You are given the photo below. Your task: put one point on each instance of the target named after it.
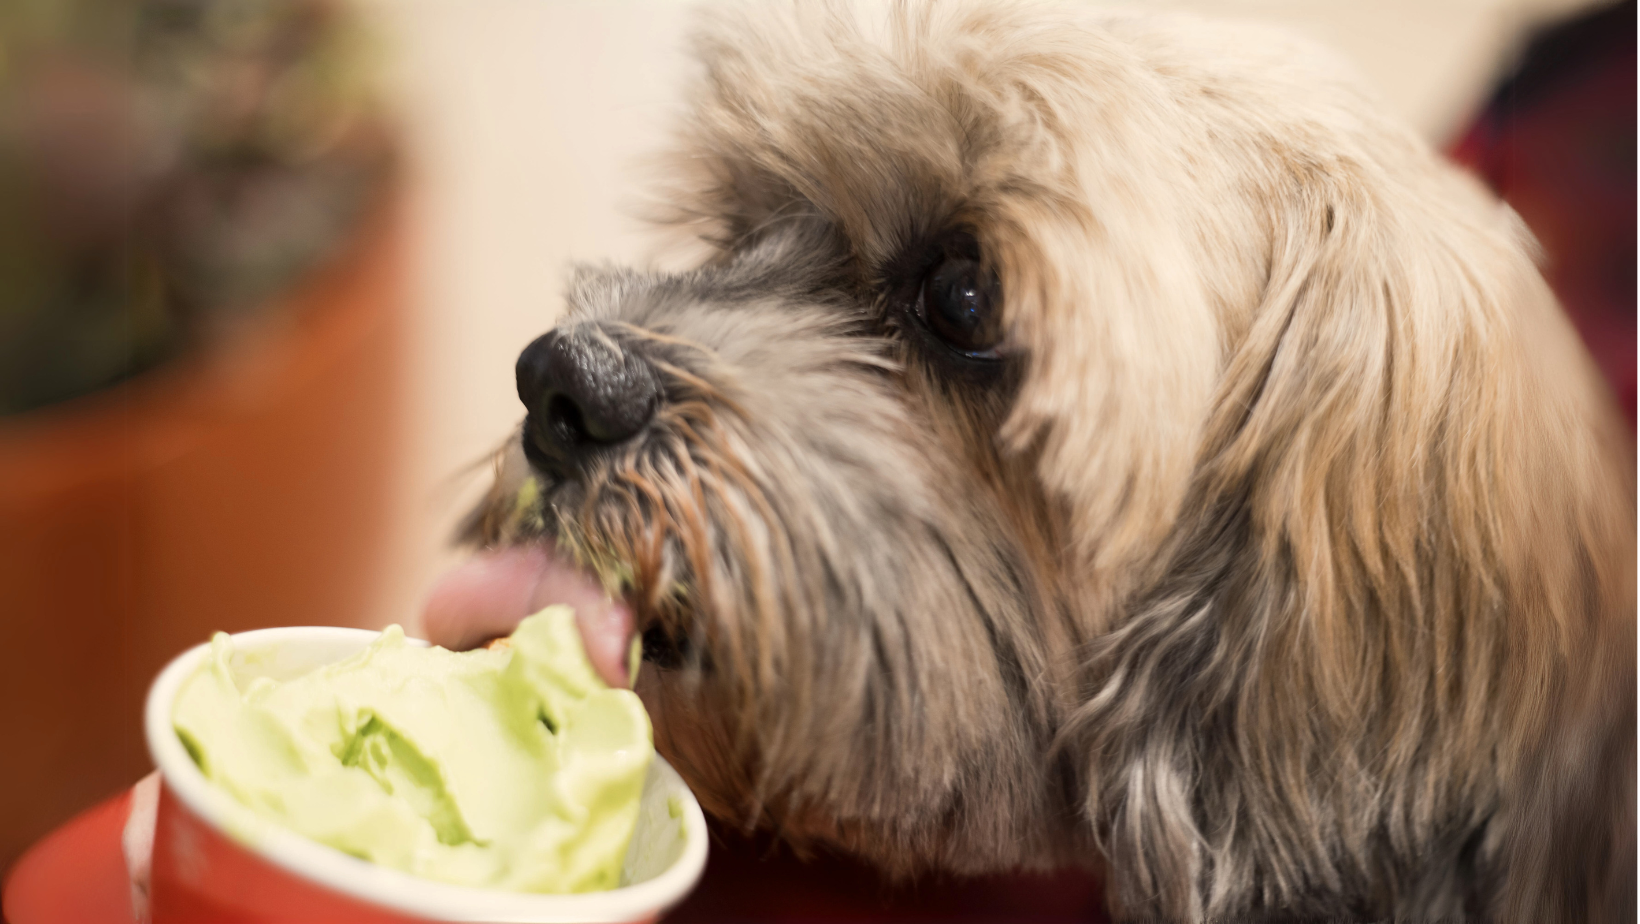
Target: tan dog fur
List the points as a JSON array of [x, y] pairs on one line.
[[1288, 568]]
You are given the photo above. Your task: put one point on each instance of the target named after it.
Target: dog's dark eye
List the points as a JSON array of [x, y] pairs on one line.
[[959, 302]]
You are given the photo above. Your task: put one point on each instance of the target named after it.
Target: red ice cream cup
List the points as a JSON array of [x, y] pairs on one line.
[[213, 860]]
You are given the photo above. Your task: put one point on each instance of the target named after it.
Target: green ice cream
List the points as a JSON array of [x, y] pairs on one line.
[[513, 768]]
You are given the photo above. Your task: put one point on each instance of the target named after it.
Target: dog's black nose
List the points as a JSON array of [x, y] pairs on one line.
[[584, 389]]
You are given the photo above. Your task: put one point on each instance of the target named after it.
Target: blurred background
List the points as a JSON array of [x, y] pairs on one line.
[[265, 266]]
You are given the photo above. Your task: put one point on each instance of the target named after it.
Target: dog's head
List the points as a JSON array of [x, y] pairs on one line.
[[1021, 323]]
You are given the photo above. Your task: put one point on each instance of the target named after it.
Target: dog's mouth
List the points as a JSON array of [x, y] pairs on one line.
[[624, 538], [616, 618], [658, 638], [483, 599]]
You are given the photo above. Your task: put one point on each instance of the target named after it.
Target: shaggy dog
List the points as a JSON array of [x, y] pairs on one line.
[[1106, 438]]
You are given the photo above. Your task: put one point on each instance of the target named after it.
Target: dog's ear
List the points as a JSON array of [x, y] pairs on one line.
[[1418, 436], [1121, 346], [1411, 530]]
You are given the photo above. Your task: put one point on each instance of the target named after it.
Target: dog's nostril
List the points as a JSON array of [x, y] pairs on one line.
[[564, 423]]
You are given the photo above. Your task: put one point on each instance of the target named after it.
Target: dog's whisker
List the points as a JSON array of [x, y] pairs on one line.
[[704, 390], [657, 337]]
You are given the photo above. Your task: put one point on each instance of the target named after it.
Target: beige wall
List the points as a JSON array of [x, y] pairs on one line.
[[527, 119]]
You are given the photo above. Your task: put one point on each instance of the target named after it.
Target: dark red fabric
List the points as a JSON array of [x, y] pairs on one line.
[[755, 880], [1558, 142]]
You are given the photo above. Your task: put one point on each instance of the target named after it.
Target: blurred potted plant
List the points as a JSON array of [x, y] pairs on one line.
[[199, 334]]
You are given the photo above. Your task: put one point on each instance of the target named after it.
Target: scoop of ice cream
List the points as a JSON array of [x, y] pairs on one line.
[[514, 767]]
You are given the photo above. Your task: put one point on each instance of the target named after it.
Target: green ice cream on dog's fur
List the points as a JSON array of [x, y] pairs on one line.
[[513, 768]]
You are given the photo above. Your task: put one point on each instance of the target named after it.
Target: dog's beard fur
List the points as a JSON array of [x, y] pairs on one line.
[[1285, 561]]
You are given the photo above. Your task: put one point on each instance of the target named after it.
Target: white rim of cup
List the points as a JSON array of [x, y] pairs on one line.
[[379, 885]]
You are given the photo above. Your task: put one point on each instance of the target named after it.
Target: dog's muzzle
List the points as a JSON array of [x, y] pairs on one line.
[[586, 390]]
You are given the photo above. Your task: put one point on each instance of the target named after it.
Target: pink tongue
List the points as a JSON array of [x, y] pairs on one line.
[[486, 597]]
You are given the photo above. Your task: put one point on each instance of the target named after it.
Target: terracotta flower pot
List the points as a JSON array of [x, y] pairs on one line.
[[246, 488]]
